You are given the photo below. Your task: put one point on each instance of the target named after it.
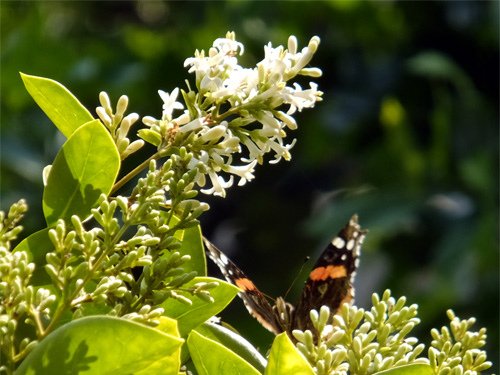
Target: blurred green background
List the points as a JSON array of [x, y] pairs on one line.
[[407, 134]]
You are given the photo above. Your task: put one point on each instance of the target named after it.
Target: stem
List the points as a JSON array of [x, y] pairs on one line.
[[38, 323], [134, 172], [220, 117], [61, 307]]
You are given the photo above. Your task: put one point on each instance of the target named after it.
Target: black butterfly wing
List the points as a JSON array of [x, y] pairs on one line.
[[331, 279], [255, 301]]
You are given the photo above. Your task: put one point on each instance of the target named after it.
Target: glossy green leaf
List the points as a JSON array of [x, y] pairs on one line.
[[150, 136], [168, 325], [416, 369], [211, 358], [234, 342], [284, 358], [192, 245], [60, 105], [85, 167], [36, 246], [189, 317], [104, 345]]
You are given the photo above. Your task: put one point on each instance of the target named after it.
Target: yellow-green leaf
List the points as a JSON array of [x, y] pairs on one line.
[[416, 369], [286, 359], [104, 345], [85, 167], [235, 342], [211, 358], [58, 103]]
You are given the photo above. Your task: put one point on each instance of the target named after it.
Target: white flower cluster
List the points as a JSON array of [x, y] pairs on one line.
[[235, 107]]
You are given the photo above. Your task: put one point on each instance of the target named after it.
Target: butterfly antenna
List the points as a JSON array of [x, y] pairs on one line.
[[306, 259]]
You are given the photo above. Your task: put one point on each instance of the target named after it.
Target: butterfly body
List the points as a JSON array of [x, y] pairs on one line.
[[330, 283]]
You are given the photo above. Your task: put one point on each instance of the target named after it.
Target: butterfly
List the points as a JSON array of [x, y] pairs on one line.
[[330, 283]]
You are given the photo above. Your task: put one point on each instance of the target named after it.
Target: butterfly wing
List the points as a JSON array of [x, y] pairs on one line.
[[331, 279], [255, 301]]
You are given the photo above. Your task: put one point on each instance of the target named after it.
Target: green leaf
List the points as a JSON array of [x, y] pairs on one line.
[[60, 105], [211, 358], [416, 369], [189, 317], [85, 167], [104, 345], [192, 245], [150, 136], [168, 326], [284, 358], [36, 246], [234, 342]]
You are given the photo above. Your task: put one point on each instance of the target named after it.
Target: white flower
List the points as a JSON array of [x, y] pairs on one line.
[[271, 126], [198, 64], [230, 144], [169, 103], [245, 172], [228, 45], [255, 152], [219, 185], [238, 88], [287, 119], [282, 151], [213, 69], [275, 63], [299, 99], [211, 84]]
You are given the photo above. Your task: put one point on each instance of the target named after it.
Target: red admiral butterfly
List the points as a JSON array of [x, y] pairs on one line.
[[329, 283]]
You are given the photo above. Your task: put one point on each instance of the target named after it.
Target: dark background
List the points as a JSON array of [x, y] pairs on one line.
[[407, 134]]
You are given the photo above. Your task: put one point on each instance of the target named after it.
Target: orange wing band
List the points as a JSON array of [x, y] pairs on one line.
[[328, 272], [245, 284]]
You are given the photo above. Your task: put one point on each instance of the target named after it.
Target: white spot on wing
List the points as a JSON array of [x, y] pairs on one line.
[[338, 242], [350, 245], [353, 276], [223, 259], [357, 250]]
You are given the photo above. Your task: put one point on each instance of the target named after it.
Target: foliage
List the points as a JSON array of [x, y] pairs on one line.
[[407, 135], [129, 256], [127, 271]]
